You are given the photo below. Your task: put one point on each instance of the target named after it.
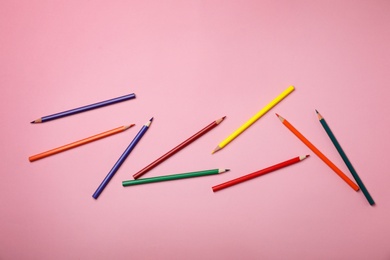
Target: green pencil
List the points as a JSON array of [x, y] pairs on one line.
[[345, 159], [173, 177]]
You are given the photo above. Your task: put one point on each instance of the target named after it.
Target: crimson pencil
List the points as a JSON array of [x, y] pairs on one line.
[[178, 148], [259, 173]]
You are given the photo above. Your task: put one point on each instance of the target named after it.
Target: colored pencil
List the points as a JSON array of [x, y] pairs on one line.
[[318, 153], [178, 148], [173, 177], [79, 142], [254, 118], [121, 159], [83, 108], [259, 173], [345, 159]]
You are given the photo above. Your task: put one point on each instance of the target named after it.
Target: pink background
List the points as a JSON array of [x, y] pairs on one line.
[[189, 63]]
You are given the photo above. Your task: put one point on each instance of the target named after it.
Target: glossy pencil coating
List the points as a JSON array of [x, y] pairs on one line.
[[173, 177], [178, 148], [84, 108], [318, 153], [121, 159], [254, 118], [79, 142], [345, 158], [259, 173]]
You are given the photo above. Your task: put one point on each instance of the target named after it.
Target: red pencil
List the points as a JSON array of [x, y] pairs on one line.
[[259, 173], [178, 148]]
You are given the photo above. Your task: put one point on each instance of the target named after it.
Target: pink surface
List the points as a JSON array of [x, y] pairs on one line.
[[189, 63]]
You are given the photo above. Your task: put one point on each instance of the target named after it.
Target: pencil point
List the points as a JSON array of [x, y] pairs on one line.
[[151, 119], [280, 117], [226, 170], [216, 149], [220, 120], [32, 122], [303, 157], [319, 115], [307, 155], [128, 126], [316, 111]]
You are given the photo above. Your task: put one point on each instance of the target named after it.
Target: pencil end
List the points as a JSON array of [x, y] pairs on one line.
[[151, 119], [216, 149], [303, 157], [220, 120], [319, 115], [316, 111], [280, 118], [39, 120]]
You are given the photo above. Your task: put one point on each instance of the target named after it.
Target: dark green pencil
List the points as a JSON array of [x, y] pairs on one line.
[[173, 177], [345, 159]]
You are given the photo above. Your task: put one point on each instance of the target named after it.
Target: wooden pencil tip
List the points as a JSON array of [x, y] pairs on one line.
[[128, 126], [316, 111], [226, 170], [223, 117], [32, 122], [151, 119], [216, 149], [307, 155], [277, 114]]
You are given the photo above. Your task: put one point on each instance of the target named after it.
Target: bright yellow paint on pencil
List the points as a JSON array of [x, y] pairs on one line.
[[253, 119]]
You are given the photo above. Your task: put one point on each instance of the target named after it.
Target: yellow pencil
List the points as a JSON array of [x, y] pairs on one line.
[[254, 118]]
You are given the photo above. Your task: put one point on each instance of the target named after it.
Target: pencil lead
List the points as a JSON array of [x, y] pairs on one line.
[[277, 114], [226, 170], [223, 117], [316, 111], [151, 119], [32, 122], [307, 155]]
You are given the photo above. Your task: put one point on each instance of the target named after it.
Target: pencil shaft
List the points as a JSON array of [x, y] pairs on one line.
[[347, 162], [320, 155], [87, 107], [257, 116], [170, 177], [121, 159], [77, 143], [177, 148], [256, 174]]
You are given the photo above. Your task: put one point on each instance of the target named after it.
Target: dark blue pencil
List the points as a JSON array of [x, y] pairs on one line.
[[122, 159], [84, 108], [345, 159]]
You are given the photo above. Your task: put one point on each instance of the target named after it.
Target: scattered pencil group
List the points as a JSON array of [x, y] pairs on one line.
[[194, 137]]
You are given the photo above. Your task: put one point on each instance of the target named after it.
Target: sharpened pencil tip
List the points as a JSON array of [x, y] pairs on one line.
[[307, 155], [277, 114], [151, 119], [32, 122], [216, 149], [226, 170], [223, 117]]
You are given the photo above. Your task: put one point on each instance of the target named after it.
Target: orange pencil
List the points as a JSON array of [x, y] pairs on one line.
[[318, 153], [79, 142]]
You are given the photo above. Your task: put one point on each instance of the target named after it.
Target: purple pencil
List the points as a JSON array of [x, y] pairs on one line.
[[84, 108]]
